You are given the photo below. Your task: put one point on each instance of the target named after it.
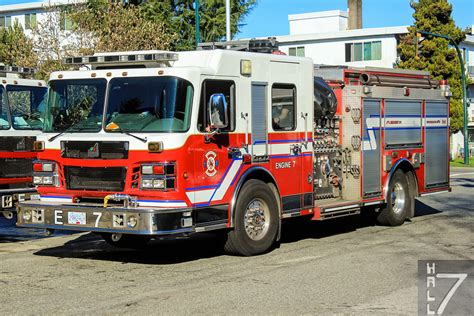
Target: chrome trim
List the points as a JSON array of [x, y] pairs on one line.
[[392, 171]]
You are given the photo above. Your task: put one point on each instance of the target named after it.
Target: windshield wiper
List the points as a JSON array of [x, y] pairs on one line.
[[68, 130], [120, 130]]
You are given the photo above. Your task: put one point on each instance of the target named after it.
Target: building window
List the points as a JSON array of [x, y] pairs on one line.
[[363, 51], [297, 51], [283, 107], [209, 87], [66, 22], [30, 21], [5, 21]]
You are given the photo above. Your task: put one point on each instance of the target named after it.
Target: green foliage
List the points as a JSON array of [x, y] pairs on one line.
[[16, 48], [179, 18], [436, 56], [114, 27]]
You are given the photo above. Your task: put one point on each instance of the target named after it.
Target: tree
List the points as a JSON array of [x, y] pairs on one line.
[[179, 17], [111, 26], [53, 40], [435, 55], [16, 48]]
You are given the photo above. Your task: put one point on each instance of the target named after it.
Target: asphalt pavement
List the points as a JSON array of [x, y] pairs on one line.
[[347, 265]]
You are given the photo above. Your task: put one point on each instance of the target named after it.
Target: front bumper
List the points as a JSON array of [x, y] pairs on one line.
[[114, 219], [9, 197]]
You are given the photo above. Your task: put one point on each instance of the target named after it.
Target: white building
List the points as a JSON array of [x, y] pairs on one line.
[[28, 14], [324, 37]]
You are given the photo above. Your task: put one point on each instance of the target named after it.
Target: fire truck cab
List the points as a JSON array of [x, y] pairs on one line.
[[21, 107], [145, 144]]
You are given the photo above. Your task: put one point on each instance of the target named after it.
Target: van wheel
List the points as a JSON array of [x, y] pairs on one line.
[[126, 241], [256, 220], [399, 201]]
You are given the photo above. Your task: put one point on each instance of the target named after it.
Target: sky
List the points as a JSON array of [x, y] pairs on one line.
[[270, 17]]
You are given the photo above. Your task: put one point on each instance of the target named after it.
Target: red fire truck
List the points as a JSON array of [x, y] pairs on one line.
[[145, 144], [20, 123]]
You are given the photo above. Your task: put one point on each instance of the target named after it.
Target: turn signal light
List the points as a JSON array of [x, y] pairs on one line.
[[38, 145]]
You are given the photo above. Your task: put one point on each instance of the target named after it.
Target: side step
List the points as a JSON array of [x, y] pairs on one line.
[[339, 211]]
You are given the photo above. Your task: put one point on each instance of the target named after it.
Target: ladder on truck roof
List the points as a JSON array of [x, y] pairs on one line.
[[267, 45]]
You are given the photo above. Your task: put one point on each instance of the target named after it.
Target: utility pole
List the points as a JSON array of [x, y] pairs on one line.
[[198, 22], [227, 20], [463, 84]]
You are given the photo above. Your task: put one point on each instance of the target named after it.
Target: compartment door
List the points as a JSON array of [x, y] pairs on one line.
[[371, 161], [436, 144], [259, 122]]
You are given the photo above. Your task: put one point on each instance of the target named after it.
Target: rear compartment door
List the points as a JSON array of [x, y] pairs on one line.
[[371, 164], [436, 144]]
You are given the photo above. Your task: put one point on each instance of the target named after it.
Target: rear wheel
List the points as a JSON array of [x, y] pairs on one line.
[[256, 220], [399, 201], [126, 241]]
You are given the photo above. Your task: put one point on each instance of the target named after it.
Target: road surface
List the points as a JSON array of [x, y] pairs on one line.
[[340, 266]]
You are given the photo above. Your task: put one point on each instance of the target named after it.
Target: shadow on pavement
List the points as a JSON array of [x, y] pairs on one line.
[[206, 245], [9, 233]]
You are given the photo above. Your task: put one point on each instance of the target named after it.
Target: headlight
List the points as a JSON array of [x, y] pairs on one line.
[[48, 167], [147, 183], [159, 184], [147, 169], [48, 180], [37, 180]]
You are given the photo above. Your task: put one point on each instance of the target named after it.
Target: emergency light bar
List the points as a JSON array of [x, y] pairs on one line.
[[115, 59], [17, 70]]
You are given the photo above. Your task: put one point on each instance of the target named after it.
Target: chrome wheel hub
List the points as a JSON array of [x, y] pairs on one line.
[[398, 198], [256, 219]]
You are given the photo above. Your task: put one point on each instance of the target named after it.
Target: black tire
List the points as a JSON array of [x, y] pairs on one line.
[[126, 241], [257, 194], [399, 201]]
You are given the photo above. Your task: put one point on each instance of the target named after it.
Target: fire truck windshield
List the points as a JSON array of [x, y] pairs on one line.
[[27, 106], [4, 119], [149, 104], [75, 105]]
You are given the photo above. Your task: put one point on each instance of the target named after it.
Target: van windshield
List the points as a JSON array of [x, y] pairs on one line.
[[27, 106], [75, 105], [149, 104]]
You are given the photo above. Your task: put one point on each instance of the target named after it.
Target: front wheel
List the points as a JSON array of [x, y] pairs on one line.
[[256, 220], [399, 201], [126, 241]]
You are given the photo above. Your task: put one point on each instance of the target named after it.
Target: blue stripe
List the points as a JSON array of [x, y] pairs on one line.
[[401, 128], [202, 187], [437, 127], [434, 115], [282, 141], [403, 115], [161, 201], [237, 174]]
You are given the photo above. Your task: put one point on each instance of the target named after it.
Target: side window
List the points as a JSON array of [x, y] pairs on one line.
[[209, 87], [283, 107]]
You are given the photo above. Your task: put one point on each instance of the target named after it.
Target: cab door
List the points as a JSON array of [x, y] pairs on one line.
[[212, 165]]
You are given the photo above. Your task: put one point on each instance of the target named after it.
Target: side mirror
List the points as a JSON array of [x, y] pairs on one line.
[[217, 110]]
